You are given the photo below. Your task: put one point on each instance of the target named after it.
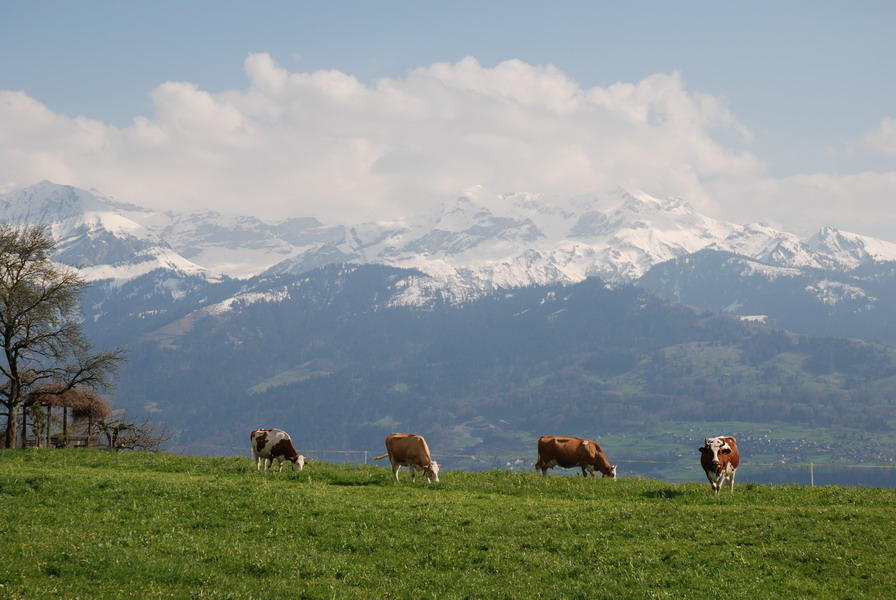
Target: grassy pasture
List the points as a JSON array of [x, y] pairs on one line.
[[92, 524]]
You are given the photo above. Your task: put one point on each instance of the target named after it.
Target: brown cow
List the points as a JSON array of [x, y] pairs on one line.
[[572, 452], [271, 444], [719, 458], [410, 450]]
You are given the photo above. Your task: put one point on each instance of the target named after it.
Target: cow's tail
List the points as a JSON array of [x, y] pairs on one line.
[[379, 457]]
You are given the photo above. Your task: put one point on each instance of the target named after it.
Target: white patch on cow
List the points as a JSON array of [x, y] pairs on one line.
[[299, 464], [432, 473]]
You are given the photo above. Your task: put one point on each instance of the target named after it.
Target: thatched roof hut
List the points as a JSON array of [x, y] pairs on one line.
[[83, 403]]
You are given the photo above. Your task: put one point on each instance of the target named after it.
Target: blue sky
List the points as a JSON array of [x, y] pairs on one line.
[[760, 111]]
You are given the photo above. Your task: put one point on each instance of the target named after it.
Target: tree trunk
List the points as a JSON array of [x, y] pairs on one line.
[[10, 439], [49, 423]]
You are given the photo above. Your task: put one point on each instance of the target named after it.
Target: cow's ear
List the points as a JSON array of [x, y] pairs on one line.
[[702, 448]]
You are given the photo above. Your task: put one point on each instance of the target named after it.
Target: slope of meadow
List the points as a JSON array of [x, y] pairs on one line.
[[93, 524]]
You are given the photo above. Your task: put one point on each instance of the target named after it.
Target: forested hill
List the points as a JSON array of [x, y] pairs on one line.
[[339, 357]]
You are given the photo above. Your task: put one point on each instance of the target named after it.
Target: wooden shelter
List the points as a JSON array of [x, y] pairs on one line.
[[81, 405]]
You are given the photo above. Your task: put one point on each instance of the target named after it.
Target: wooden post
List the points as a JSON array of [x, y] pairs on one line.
[[24, 427], [64, 426], [49, 422]]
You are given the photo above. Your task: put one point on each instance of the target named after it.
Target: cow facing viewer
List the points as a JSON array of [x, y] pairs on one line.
[[410, 450], [567, 452], [719, 458], [274, 444]]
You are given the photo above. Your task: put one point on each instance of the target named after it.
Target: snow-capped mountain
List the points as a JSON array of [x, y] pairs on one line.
[[243, 246], [103, 238], [487, 241], [850, 250], [859, 303], [478, 241]]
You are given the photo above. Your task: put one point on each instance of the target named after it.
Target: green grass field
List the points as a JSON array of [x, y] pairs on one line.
[[93, 524]]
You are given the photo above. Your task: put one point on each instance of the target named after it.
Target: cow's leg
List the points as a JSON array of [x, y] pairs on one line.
[[280, 468], [712, 481], [731, 480], [413, 472], [545, 465], [395, 467], [267, 464], [257, 463]]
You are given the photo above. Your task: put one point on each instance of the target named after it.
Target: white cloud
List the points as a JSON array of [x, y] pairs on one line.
[[860, 203], [883, 141], [324, 144]]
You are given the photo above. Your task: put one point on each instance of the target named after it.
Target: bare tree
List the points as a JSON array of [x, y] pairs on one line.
[[41, 336], [122, 435]]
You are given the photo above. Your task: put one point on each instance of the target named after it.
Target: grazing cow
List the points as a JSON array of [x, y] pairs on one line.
[[719, 458], [274, 444], [572, 452], [410, 450]]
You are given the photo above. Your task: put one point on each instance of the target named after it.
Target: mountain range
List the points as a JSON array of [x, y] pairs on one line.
[[479, 240], [832, 283], [495, 316]]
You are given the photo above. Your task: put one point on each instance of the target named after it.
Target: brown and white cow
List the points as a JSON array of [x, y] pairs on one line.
[[719, 458], [410, 450], [274, 444], [567, 452]]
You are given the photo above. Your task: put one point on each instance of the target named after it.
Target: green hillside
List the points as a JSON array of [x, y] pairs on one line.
[[332, 358], [93, 524]]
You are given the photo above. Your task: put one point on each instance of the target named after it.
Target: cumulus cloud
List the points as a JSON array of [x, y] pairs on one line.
[[860, 202], [883, 141], [324, 144]]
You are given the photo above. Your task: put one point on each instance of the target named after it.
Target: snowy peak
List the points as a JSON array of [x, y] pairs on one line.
[[771, 246], [94, 233], [242, 246], [850, 250], [47, 203], [829, 249], [478, 241], [514, 240]]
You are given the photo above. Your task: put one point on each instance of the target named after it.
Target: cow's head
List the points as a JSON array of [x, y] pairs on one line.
[[715, 448], [299, 463], [610, 472], [432, 472]]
